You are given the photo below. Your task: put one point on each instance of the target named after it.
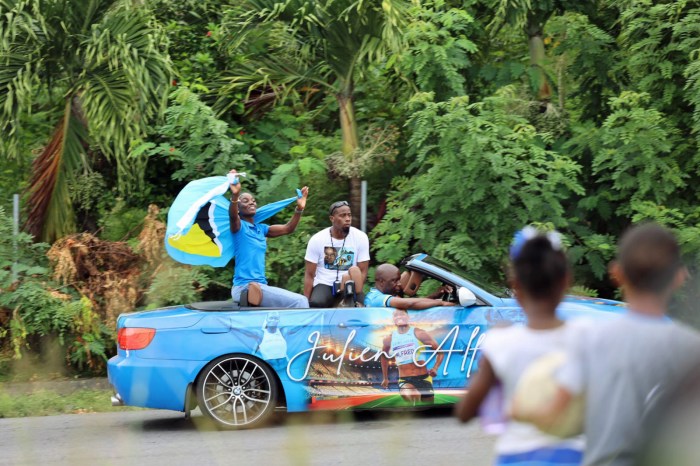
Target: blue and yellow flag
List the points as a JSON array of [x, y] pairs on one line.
[[199, 229]]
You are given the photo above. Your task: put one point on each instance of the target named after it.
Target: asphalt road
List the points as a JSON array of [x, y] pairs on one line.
[[431, 438]]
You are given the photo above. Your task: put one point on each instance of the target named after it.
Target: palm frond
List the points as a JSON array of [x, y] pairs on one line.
[[107, 59], [306, 42], [50, 216], [21, 34], [124, 83]]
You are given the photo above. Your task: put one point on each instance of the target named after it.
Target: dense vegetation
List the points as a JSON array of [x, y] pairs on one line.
[[468, 119]]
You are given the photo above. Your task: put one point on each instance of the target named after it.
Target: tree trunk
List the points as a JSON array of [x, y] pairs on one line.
[[356, 200], [537, 56], [348, 126]]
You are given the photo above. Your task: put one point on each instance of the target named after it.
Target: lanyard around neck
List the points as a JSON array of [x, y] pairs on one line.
[[337, 267]]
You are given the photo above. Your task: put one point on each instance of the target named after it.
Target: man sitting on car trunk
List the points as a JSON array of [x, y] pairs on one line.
[[337, 259]]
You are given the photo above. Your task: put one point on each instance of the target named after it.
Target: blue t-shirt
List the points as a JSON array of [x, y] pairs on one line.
[[376, 298], [251, 244]]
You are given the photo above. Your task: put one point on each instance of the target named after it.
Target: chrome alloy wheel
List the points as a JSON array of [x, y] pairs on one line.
[[237, 391]]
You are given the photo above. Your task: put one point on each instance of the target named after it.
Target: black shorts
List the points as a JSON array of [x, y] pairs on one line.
[[422, 383], [322, 296]]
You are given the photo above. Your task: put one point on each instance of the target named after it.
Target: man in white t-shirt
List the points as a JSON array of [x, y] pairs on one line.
[[337, 259]]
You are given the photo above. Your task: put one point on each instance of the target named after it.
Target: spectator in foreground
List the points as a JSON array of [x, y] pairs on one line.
[[624, 365], [539, 275]]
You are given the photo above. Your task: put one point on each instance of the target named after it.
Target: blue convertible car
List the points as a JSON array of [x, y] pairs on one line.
[[239, 364]]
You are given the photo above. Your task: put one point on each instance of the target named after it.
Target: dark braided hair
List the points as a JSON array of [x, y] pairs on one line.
[[540, 267]]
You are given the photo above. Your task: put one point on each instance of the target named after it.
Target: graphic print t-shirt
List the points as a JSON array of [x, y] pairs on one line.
[[332, 257]]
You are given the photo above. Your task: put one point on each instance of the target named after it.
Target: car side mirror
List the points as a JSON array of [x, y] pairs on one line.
[[466, 297]]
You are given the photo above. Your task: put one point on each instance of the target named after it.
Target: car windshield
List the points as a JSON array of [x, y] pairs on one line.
[[500, 292]]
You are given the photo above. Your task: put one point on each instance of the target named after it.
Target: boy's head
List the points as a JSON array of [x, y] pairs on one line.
[[648, 258]]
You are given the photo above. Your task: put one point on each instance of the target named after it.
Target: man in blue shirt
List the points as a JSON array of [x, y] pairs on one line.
[[250, 241], [387, 287]]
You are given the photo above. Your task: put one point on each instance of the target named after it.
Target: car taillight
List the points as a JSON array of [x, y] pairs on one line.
[[135, 338]]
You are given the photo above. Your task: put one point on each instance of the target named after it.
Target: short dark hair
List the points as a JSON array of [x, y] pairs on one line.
[[649, 256], [336, 205]]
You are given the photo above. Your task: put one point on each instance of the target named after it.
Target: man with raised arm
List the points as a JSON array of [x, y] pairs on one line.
[[250, 239]]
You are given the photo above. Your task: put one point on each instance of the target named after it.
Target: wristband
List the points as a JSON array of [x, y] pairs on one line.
[[298, 211]]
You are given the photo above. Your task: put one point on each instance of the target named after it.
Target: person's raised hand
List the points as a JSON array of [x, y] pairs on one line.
[[301, 202], [235, 188]]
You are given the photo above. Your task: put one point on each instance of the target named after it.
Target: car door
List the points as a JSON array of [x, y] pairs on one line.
[[461, 329], [349, 368], [346, 368]]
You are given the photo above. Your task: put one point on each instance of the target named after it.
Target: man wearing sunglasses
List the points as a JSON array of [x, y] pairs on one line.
[[337, 259]]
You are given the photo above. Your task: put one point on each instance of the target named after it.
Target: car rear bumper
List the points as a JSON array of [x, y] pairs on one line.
[[151, 383]]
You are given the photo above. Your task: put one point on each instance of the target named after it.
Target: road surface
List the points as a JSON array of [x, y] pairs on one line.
[[432, 438]]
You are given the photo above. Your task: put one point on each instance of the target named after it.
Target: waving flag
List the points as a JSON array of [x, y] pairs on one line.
[[199, 229]]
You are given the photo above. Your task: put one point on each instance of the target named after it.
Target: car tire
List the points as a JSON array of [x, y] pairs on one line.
[[237, 391]]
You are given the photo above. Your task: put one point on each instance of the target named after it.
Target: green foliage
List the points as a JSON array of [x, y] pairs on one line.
[[38, 312], [49, 402], [20, 257], [91, 337], [121, 222], [654, 61], [687, 31], [315, 93], [532, 14], [635, 155], [300, 147], [287, 177], [595, 251], [175, 284], [401, 229], [322, 44], [193, 28], [285, 255], [302, 153], [199, 143], [579, 290], [584, 57], [106, 72], [438, 48], [486, 163], [87, 192]]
